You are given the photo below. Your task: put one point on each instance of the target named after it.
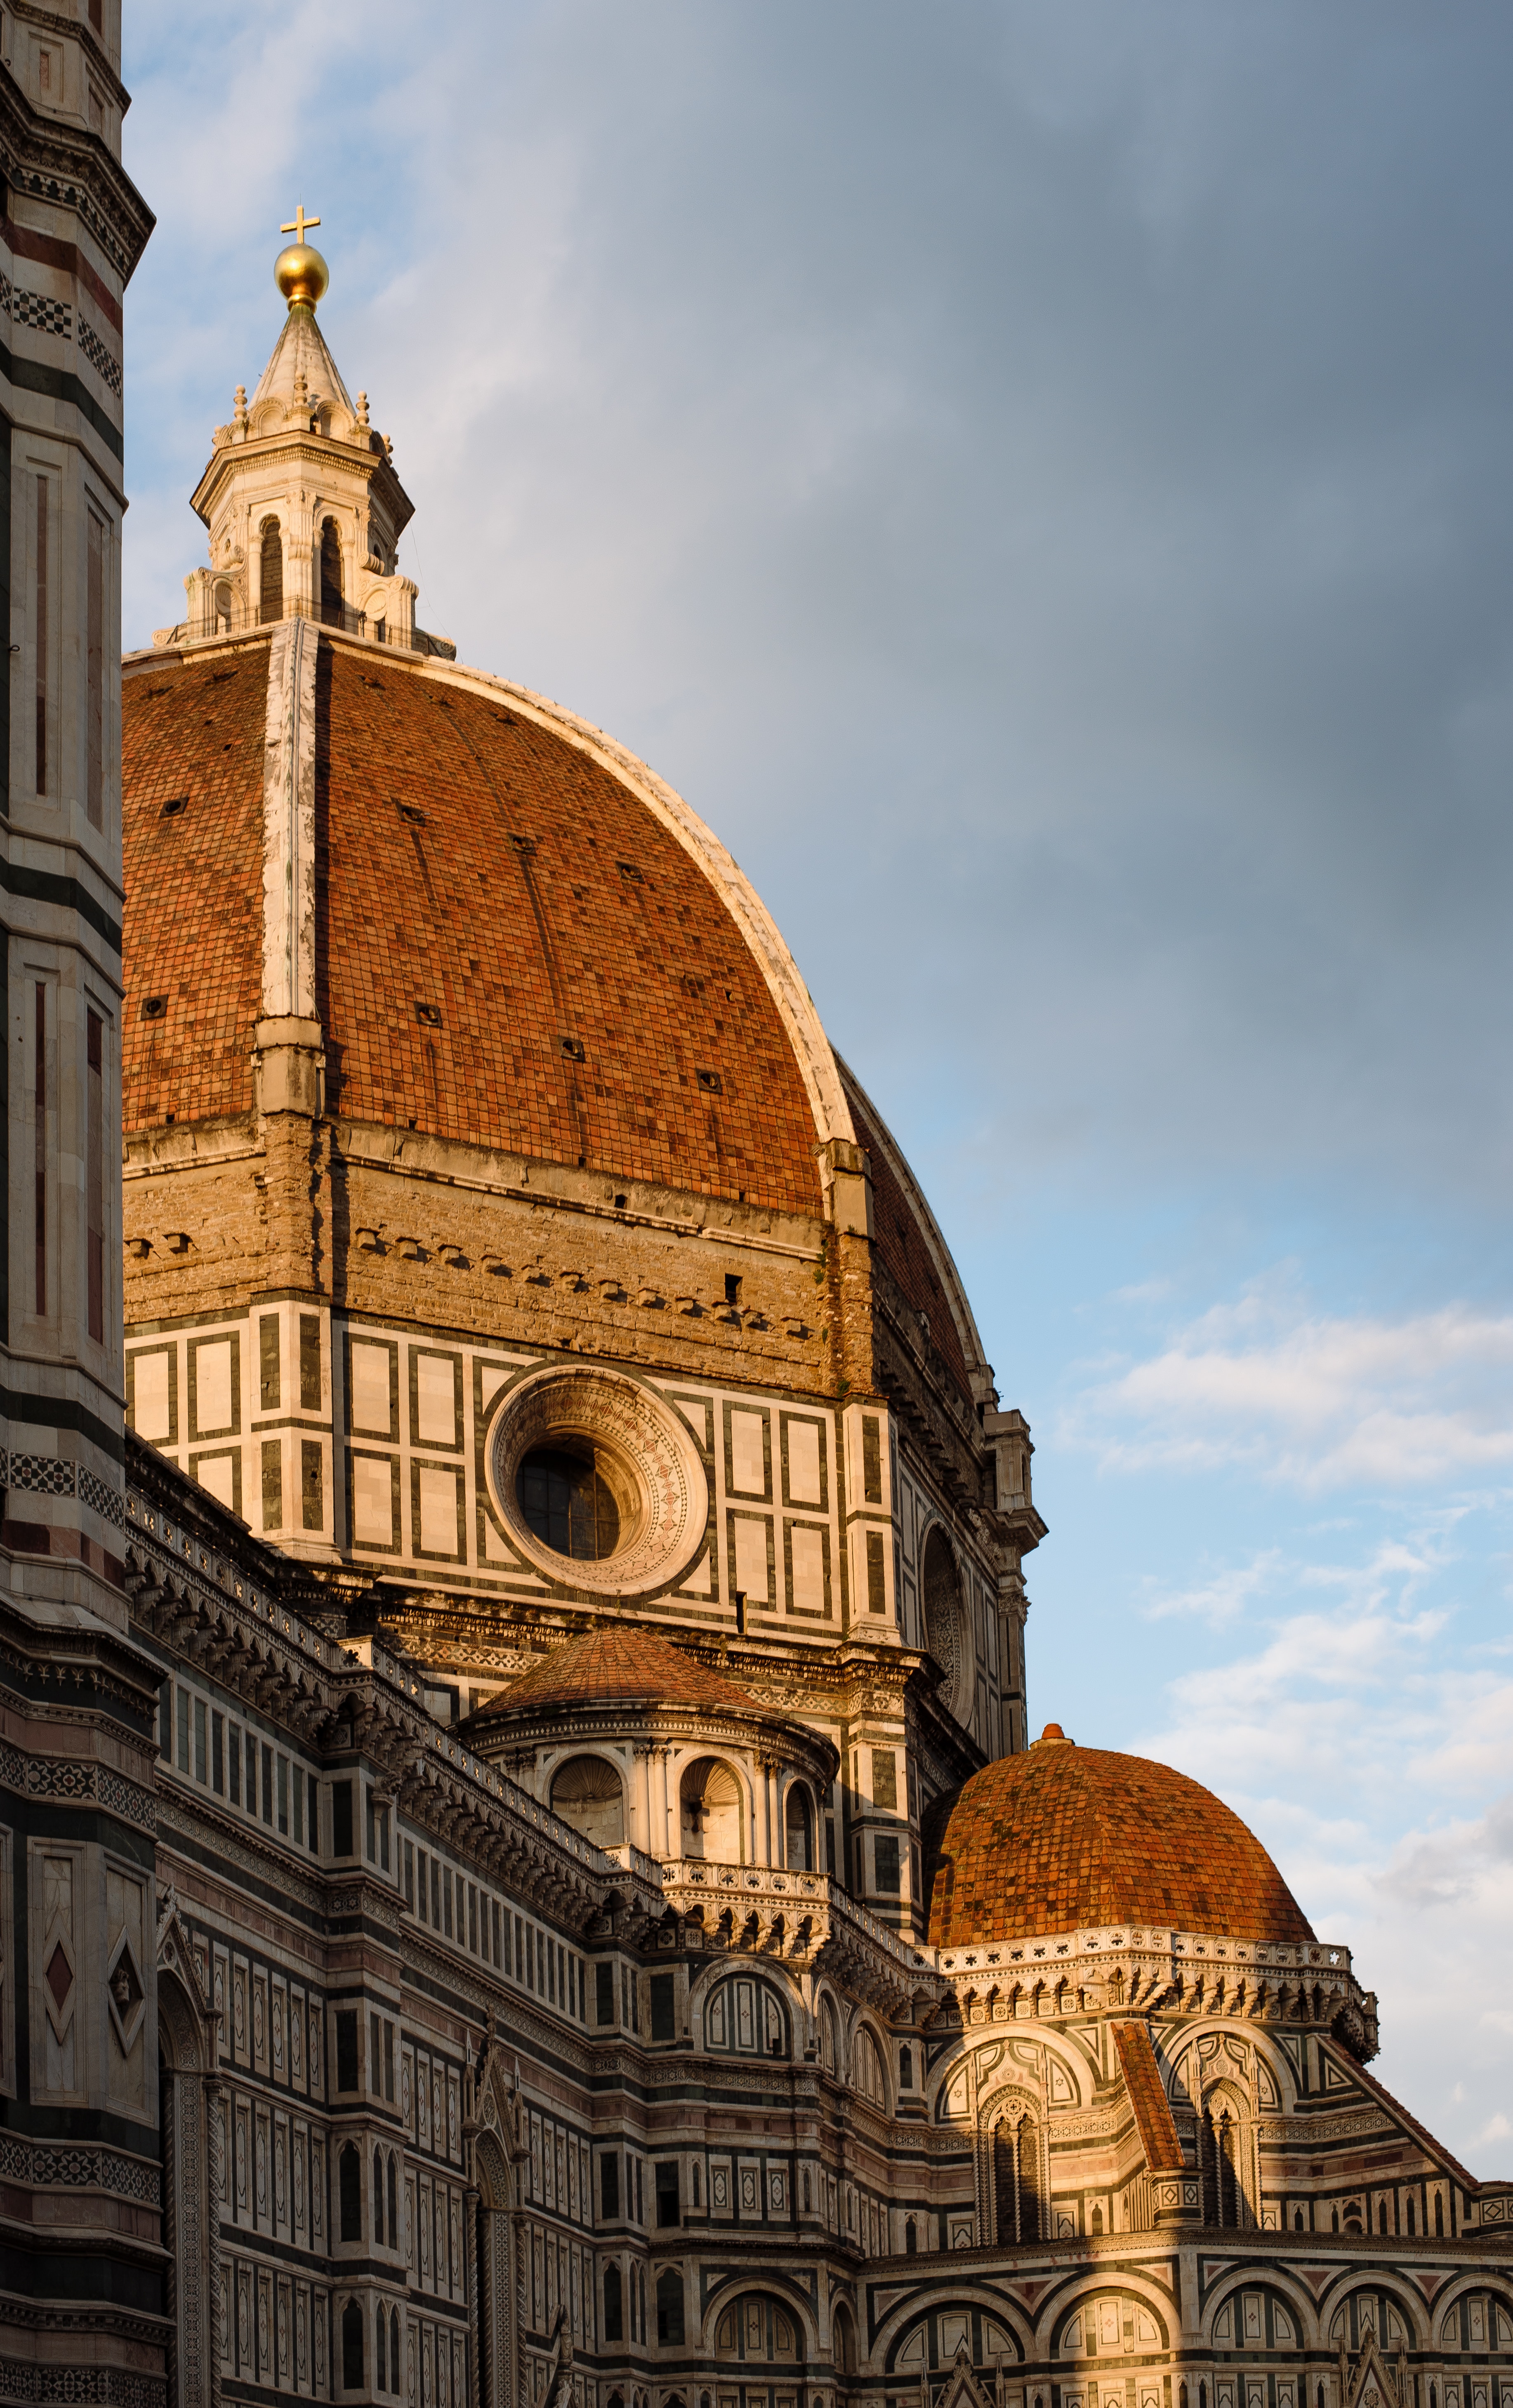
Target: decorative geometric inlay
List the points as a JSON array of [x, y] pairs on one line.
[[90, 2387], [80, 2169], [42, 1474], [109, 1503], [39, 1776], [124, 1994], [107, 369], [59, 1976], [37, 309]]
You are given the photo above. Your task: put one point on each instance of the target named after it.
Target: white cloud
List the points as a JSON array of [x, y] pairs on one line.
[[1319, 1400], [1222, 1598], [1367, 1745]]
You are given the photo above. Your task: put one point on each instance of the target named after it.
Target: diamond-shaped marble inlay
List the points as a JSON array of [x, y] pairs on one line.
[[60, 1976], [125, 1988]]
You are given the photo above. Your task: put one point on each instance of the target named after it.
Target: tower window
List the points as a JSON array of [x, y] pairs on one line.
[[271, 581], [330, 575]]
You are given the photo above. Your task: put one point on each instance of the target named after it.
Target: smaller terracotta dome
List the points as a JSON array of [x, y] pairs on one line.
[[1064, 1837], [617, 1665]]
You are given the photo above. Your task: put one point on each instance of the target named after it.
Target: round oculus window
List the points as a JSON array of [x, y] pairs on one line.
[[597, 1482]]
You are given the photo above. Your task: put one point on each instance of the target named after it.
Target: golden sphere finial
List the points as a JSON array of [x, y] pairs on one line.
[[300, 272]]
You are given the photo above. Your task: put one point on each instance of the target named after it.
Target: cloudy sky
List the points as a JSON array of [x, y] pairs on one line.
[[1035, 476]]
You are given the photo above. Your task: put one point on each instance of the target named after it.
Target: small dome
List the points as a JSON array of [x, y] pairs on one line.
[[1064, 1837], [615, 1666]]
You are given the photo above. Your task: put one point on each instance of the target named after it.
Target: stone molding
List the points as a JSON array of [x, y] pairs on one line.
[[63, 168]]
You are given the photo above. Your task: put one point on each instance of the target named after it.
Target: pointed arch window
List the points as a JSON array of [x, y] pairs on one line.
[[1016, 2186], [1222, 2153], [271, 578], [352, 2347], [330, 573]]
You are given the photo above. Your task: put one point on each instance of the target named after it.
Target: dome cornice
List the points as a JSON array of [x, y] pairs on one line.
[[550, 1728]]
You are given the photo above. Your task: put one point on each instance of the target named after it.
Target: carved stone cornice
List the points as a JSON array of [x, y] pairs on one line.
[[65, 168]]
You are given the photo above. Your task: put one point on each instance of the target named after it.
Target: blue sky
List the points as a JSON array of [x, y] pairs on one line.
[[1037, 478]]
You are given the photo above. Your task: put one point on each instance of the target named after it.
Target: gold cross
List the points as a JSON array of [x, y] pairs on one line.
[[299, 224]]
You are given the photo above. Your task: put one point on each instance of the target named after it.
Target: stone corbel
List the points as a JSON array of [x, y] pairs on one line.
[[289, 1067], [845, 1177]]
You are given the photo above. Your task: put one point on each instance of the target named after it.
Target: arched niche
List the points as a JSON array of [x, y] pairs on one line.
[[944, 1618], [711, 1814], [869, 2074], [759, 2330], [743, 2016], [843, 2339], [588, 1793], [798, 1828], [499, 2244]]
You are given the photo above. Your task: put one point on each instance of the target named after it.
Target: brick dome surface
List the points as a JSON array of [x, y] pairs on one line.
[[616, 1666], [1063, 1838], [493, 903]]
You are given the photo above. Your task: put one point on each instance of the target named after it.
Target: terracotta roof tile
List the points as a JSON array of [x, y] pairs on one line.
[[1147, 2097], [616, 1665], [1064, 1837], [193, 922], [581, 968]]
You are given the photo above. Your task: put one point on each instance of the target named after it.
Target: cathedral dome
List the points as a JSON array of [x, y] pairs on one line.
[[498, 1217], [1065, 1837], [517, 943]]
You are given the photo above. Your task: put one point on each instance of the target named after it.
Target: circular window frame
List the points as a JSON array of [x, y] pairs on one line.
[[650, 1451]]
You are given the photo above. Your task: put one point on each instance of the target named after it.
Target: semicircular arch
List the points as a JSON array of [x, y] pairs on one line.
[[978, 2306], [776, 2289], [1283, 2287], [1382, 2287], [1055, 2316], [1496, 2288]]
